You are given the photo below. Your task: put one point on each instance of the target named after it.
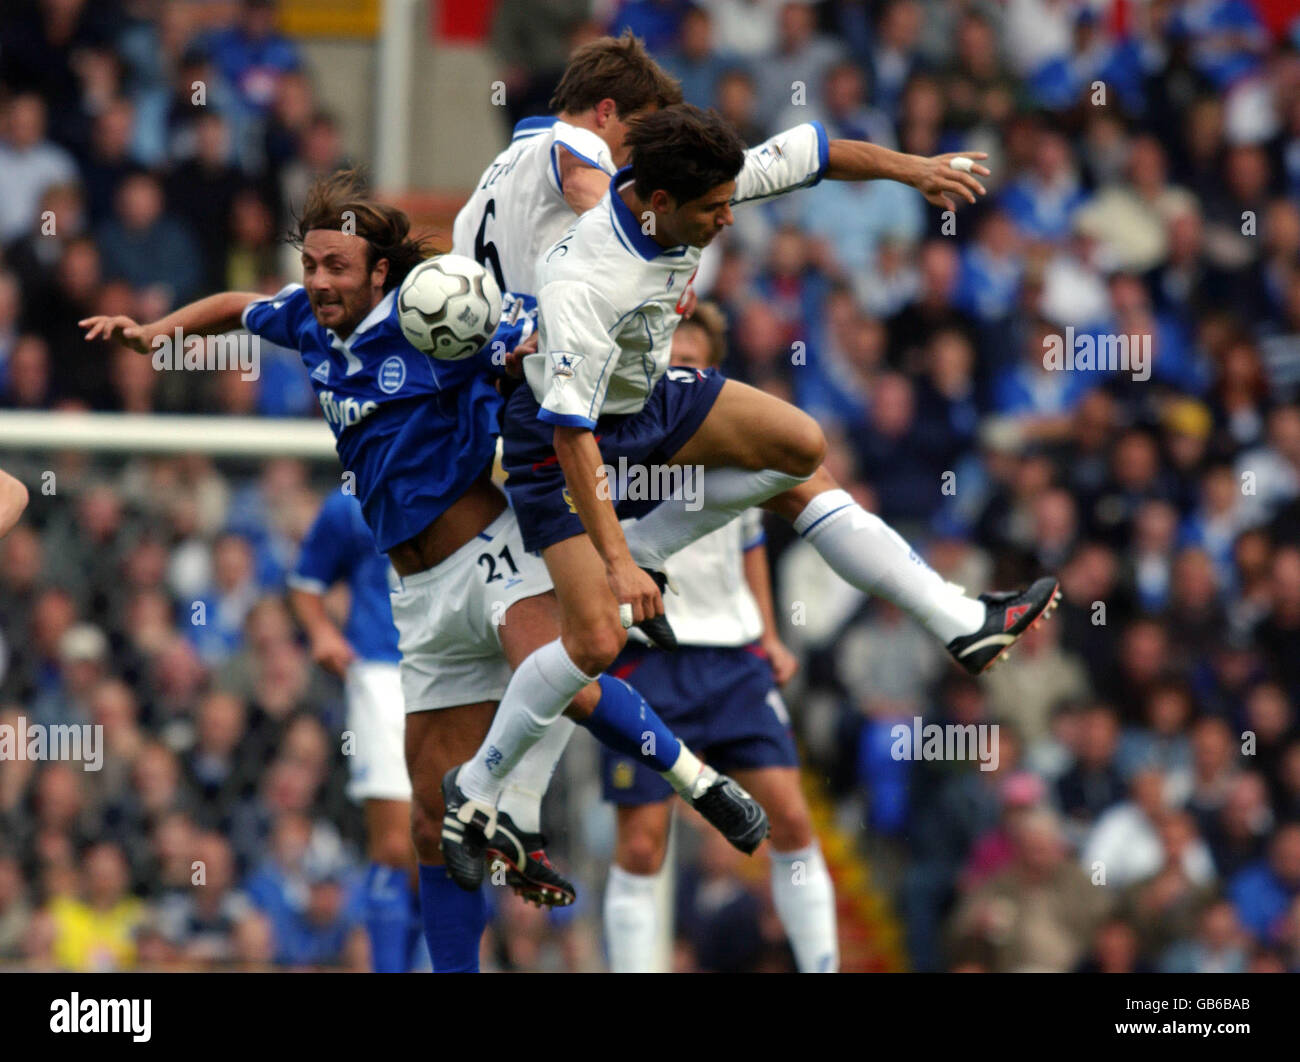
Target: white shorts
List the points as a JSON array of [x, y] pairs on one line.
[[448, 618], [377, 764]]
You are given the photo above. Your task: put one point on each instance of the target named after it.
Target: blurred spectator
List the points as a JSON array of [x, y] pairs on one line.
[[15, 910], [794, 71], [1125, 843], [1216, 948], [30, 163], [97, 931], [252, 56], [199, 919], [201, 192], [1038, 914], [1263, 892], [532, 43]]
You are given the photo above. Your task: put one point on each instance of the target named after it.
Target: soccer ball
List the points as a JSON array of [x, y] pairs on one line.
[[449, 307]]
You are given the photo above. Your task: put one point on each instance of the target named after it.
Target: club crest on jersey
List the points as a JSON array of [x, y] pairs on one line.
[[391, 375], [564, 364], [321, 372]]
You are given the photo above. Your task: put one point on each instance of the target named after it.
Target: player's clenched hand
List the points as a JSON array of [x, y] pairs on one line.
[[784, 663], [634, 587], [331, 651], [133, 335], [515, 359], [935, 179]]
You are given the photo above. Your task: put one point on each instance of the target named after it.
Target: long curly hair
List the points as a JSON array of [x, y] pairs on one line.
[[343, 202]]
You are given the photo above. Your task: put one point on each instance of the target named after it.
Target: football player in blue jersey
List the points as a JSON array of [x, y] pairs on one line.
[[364, 655], [418, 437]]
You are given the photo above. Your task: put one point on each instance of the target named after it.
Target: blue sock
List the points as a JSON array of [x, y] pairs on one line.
[[624, 722], [417, 948], [388, 917], [454, 921]]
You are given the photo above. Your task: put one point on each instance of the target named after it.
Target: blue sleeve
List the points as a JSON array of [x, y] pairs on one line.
[[281, 318], [327, 551], [518, 322]]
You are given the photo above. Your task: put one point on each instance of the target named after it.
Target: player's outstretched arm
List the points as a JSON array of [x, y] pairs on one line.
[[934, 177], [584, 475], [207, 316]]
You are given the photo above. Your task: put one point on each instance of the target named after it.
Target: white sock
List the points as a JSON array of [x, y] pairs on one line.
[[522, 797], [687, 774], [539, 690], [869, 554], [804, 898], [630, 927], [725, 493]]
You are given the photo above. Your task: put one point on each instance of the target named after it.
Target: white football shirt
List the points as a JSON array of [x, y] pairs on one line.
[[518, 209], [609, 296], [714, 605]]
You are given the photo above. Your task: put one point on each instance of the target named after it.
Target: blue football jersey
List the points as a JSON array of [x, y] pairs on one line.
[[415, 432], [339, 546]]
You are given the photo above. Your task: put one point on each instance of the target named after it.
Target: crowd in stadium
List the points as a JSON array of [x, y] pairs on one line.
[[1144, 813]]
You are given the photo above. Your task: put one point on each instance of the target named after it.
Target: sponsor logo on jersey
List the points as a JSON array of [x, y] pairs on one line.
[[321, 372], [344, 412], [392, 374]]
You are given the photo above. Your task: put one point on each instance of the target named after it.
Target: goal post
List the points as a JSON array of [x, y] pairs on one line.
[[150, 433]]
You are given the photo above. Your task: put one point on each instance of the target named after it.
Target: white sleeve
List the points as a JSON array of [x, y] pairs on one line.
[[793, 159], [582, 143], [580, 352]]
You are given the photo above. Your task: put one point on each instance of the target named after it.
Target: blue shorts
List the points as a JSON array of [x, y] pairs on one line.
[[535, 482], [721, 702]]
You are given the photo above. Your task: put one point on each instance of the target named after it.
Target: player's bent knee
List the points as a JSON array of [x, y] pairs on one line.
[[394, 851], [641, 853], [426, 831], [585, 702], [595, 647], [791, 828], [807, 447]]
